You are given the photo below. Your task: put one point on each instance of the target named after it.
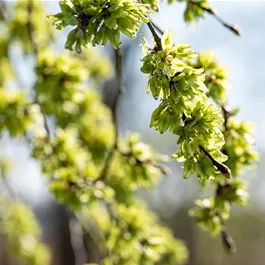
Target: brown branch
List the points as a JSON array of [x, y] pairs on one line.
[[11, 192], [45, 119], [227, 114], [227, 239], [157, 28], [2, 10], [30, 27], [76, 234], [120, 91], [226, 117], [220, 166], [157, 39], [163, 168], [234, 28], [96, 235]]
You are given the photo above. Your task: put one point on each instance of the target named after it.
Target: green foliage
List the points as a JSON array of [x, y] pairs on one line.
[[71, 158], [153, 3], [18, 25], [232, 191], [6, 70], [135, 166], [21, 230], [98, 22], [72, 104], [16, 115], [71, 168], [215, 76], [201, 129], [184, 108], [239, 146], [194, 11], [211, 213], [206, 137], [131, 242], [91, 169], [208, 216]]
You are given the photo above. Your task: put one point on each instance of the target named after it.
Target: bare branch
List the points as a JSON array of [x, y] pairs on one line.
[[121, 89], [157, 28], [157, 39], [234, 28], [220, 166], [45, 119], [30, 27], [77, 242], [227, 239], [2, 10]]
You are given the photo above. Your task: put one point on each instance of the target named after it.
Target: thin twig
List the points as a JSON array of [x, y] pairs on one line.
[[45, 119], [121, 89], [11, 192], [227, 114], [87, 236], [163, 168], [2, 10], [234, 28], [226, 117], [220, 166], [227, 239], [30, 27], [90, 233], [157, 39], [9, 189], [77, 242], [157, 28]]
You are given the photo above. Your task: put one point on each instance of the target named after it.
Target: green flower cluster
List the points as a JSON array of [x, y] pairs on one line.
[[206, 137], [211, 213], [184, 108], [71, 169], [131, 233], [58, 78], [21, 230], [195, 9], [153, 3], [18, 25], [134, 237], [16, 115], [60, 90], [201, 129], [139, 163], [232, 191], [100, 21], [239, 143], [94, 124], [239, 146], [6, 70], [208, 216], [215, 76], [70, 160]]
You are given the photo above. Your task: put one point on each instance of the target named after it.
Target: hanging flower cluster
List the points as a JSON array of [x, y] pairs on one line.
[[184, 108], [99, 22]]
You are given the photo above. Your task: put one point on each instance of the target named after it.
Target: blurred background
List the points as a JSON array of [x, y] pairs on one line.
[[244, 58]]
